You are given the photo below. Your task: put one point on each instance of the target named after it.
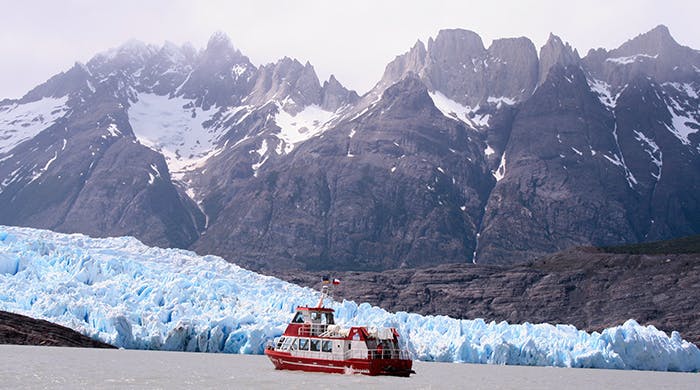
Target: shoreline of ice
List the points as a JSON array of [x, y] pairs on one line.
[[136, 297]]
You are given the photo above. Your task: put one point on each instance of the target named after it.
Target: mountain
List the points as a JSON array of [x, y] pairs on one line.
[[460, 153]]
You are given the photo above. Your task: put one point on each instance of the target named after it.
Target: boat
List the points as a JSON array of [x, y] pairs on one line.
[[314, 342]]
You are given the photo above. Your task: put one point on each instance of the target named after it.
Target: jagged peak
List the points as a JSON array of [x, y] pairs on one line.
[[219, 38], [332, 80], [556, 52], [287, 61], [554, 42], [456, 39], [418, 46], [660, 29], [81, 67], [333, 83], [651, 42]]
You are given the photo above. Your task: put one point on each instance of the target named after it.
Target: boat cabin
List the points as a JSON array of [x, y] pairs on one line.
[[313, 333]]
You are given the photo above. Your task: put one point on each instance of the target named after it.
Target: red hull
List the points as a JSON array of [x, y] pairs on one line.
[[395, 367]]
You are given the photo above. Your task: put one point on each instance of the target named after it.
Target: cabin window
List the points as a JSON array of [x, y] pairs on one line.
[[298, 319], [327, 346], [280, 342], [304, 344], [315, 345], [294, 345], [286, 343]]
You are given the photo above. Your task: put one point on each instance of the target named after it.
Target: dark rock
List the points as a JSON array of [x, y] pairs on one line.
[[21, 330]]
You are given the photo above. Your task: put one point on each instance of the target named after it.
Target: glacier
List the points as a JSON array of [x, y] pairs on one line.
[[133, 296]]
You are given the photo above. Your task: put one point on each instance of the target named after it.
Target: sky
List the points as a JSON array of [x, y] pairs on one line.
[[354, 40]]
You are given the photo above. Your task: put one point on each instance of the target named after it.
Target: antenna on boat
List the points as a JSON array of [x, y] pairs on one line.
[[326, 290]]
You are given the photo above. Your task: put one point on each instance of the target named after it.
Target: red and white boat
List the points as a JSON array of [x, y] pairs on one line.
[[313, 342]]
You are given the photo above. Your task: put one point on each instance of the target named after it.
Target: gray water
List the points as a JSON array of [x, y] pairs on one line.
[[78, 368]]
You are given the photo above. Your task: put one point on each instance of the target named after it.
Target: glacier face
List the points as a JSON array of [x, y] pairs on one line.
[[133, 296]]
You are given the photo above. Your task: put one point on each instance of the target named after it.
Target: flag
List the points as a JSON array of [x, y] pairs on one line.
[[336, 281], [326, 280]]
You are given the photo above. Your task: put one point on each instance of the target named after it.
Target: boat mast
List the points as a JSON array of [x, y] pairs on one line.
[[326, 290]]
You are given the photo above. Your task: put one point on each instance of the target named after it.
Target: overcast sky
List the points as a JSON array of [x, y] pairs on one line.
[[352, 39]]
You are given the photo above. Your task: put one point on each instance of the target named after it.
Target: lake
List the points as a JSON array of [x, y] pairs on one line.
[[79, 368]]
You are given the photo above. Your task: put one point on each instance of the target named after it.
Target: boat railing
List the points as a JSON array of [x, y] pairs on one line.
[[312, 329], [378, 353]]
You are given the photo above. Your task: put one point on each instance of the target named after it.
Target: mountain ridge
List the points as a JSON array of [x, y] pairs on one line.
[[459, 153]]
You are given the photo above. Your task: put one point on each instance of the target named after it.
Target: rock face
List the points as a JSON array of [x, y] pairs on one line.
[[586, 287], [21, 330], [460, 153], [356, 197], [457, 64]]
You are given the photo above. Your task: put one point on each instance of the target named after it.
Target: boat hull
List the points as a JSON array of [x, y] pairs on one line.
[[394, 367]]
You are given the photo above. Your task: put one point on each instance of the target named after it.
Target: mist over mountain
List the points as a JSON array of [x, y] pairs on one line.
[[460, 153]]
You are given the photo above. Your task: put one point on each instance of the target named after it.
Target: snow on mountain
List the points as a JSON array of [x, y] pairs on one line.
[[603, 91], [295, 129], [175, 128], [133, 296], [499, 173], [653, 150], [682, 123], [22, 121], [631, 59], [466, 114]]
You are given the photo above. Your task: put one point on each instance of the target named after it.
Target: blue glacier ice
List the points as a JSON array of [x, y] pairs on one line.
[[133, 296]]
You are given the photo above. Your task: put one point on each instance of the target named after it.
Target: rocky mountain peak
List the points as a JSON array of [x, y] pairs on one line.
[[651, 43], [218, 41], [653, 54], [335, 95], [62, 84], [556, 52], [220, 50], [455, 44], [513, 68], [289, 82], [407, 97], [411, 61]]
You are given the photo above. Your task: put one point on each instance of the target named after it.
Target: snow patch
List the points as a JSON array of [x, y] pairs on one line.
[[620, 161], [37, 174], [151, 176], [499, 101], [682, 123], [686, 88], [262, 152], [174, 128], [295, 129], [113, 130], [631, 59], [454, 110], [603, 91], [654, 152], [21, 122], [238, 70], [501, 171], [489, 151]]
